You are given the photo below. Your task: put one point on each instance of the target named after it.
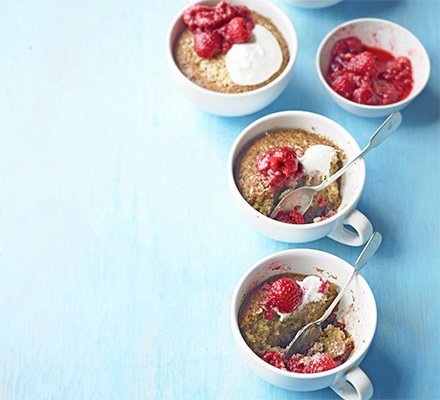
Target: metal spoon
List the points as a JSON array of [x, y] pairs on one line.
[[300, 199], [306, 336]]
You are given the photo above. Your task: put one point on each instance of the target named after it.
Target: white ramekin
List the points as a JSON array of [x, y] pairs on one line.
[[385, 35]]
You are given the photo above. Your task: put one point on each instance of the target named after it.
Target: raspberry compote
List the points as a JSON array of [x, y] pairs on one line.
[[279, 166], [368, 75], [216, 29]]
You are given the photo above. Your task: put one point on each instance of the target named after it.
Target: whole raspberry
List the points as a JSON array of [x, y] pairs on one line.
[[285, 295], [208, 44], [238, 30], [294, 363], [319, 363], [274, 358]]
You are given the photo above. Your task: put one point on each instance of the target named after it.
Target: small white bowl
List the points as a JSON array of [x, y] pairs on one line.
[[236, 104], [313, 3], [352, 184], [385, 35], [357, 309]]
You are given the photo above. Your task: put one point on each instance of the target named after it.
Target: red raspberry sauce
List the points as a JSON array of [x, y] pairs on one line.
[[280, 167], [368, 75], [290, 217]]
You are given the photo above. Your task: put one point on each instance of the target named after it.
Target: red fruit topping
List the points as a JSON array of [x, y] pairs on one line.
[[279, 167], [208, 44], [364, 94], [344, 85], [368, 75], [239, 31], [274, 358], [294, 363], [320, 363], [348, 45], [285, 295], [324, 286], [363, 64], [290, 217], [322, 201], [220, 27]]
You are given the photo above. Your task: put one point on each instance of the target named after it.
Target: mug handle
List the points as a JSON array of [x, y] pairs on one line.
[[360, 223], [355, 385]]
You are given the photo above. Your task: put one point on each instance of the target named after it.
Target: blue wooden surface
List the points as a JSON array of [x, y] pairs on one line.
[[120, 246]]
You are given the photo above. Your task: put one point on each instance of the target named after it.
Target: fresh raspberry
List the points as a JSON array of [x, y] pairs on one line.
[[285, 295], [278, 165], [363, 64], [290, 217], [319, 363], [208, 44], [294, 363], [274, 358], [239, 31]]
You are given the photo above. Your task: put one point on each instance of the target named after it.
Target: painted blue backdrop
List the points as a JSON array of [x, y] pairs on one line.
[[120, 246]]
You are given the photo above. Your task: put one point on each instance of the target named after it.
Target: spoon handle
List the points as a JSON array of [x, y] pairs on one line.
[[368, 251], [365, 256], [385, 130]]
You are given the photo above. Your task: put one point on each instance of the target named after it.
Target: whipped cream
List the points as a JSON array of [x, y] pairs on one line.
[[311, 294], [317, 160], [310, 286], [256, 61]]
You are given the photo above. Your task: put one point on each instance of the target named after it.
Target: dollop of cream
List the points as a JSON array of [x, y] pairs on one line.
[[256, 61], [317, 160], [310, 286]]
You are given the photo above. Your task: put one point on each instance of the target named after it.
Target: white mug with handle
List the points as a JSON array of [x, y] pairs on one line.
[[357, 310], [352, 184]]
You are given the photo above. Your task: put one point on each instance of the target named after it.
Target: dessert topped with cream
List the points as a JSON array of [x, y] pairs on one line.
[[275, 310], [283, 159], [229, 48]]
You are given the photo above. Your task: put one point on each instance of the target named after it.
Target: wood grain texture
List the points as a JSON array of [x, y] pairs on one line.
[[120, 246]]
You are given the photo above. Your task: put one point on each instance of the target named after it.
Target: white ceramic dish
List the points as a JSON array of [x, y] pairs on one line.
[[357, 310], [385, 35], [352, 184], [236, 104], [313, 3]]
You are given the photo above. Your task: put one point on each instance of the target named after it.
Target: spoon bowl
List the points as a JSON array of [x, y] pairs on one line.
[[299, 200]]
